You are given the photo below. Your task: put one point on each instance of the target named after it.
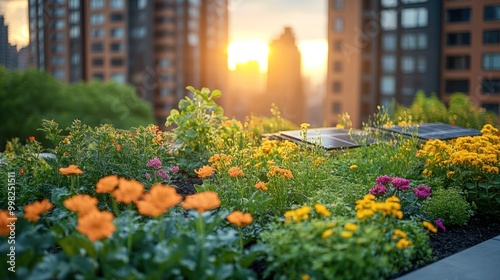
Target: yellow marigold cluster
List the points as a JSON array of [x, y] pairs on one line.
[[297, 215], [402, 239], [349, 228], [276, 170], [218, 161], [367, 207], [322, 210], [429, 226]]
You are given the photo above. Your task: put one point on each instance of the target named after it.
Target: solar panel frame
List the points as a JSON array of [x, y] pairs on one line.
[[435, 130]]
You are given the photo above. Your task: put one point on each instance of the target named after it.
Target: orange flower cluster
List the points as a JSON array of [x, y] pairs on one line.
[[239, 218], [33, 211], [83, 204], [205, 171], [159, 199], [261, 186], [107, 184], [276, 170], [96, 225], [403, 242], [202, 201], [220, 160], [128, 191], [5, 220], [70, 170], [235, 172]]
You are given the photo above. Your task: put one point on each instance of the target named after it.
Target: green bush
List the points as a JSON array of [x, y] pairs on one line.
[[448, 204]]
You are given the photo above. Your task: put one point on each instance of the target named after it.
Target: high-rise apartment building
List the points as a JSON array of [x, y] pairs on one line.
[[384, 50], [284, 78], [159, 46]]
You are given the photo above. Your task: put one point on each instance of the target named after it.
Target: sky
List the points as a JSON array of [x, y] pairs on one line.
[[258, 21]]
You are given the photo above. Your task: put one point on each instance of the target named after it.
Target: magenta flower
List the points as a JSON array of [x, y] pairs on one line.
[[400, 183], [155, 163], [148, 176], [422, 191], [439, 224], [383, 180], [162, 173], [378, 190], [174, 169]]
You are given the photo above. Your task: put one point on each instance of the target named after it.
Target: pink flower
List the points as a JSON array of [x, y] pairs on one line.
[[162, 173], [439, 224], [155, 163], [400, 183], [174, 169], [148, 176], [383, 180], [378, 190], [422, 191]]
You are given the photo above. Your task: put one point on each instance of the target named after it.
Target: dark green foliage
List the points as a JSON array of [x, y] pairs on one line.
[[448, 204]]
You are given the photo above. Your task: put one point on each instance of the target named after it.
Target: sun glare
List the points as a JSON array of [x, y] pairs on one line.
[[314, 56], [247, 50]]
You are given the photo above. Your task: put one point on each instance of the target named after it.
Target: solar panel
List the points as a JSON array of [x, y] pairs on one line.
[[435, 130], [328, 137]]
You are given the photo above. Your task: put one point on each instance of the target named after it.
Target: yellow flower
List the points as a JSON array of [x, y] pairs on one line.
[[353, 167], [159, 199], [340, 126], [70, 170], [399, 233], [128, 190], [5, 220], [321, 209], [239, 218], [429, 226], [327, 233], [33, 211], [82, 204], [107, 184], [235, 172], [96, 225], [305, 277], [304, 126], [202, 201], [261, 186], [205, 171], [403, 243], [346, 234], [350, 227]]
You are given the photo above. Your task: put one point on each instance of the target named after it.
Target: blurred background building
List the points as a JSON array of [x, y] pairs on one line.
[[384, 50]]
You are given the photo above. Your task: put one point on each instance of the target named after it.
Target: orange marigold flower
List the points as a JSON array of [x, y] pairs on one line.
[[5, 220], [205, 171], [82, 204], [202, 201], [96, 225], [239, 218], [107, 184], [118, 147], [128, 190], [31, 138], [261, 186], [159, 199], [235, 171], [429, 226], [72, 169], [33, 211]]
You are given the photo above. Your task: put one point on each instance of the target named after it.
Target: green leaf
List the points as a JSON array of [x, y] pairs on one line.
[[216, 94], [190, 133], [183, 104]]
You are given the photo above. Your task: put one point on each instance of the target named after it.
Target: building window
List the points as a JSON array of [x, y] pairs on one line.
[[389, 19], [58, 48], [389, 42], [408, 64], [57, 60], [337, 87], [116, 17], [458, 62], [141, 4], [117, 32], [97, 47], [96, 4], [337, 108], [116, 47], [492, 12], [97, 33], [338, 4], [97, 62], [337, 66], [421, 64], [74, 17], [389, 63], [116, 62], [98, 76], [453, 86], [491, 36], [458, 39], [412, 1], [74, 32], [75, 58], [59, 24], [116, 4], [139, 32], [413, 41], [389, 3], [415, 17], [338, 24], [60, 12], [491, 107], [59, 74], [97, 18], [337, 46], [164, 63], [491, 61], [490, 86], [388, 85], [74, 4], [458, 15]]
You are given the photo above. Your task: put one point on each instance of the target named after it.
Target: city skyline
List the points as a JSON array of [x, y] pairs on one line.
[[248, 21]]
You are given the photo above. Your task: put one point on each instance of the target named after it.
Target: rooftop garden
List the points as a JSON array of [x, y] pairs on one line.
[[108, 203]]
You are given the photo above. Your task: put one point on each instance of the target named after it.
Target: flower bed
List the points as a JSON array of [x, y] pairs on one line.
[[117, 204]]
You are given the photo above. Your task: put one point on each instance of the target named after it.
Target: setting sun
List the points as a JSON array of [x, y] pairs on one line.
[[248, 50]]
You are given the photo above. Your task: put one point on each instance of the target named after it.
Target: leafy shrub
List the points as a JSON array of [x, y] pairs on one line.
[[448, 204]]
